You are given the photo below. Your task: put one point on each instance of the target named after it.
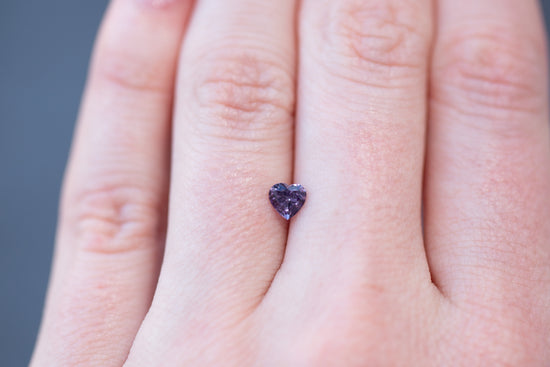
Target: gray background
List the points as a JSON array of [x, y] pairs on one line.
[[44, 50]]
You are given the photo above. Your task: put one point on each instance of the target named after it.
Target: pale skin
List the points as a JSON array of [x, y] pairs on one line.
[[420, 130]]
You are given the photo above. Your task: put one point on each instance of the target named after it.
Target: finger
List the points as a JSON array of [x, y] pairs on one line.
[[111, 232], [360, 144], [488, 170], [488, 166], [232, 142]]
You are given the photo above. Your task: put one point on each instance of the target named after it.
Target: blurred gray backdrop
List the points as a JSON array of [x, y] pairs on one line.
[[44, 51]]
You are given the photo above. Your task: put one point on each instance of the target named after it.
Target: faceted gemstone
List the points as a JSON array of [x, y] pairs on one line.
[[287, 199]]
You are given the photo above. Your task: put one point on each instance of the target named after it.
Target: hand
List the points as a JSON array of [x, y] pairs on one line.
[[420, 131]]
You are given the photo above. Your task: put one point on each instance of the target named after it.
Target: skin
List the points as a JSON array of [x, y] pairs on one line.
[[419, 128]]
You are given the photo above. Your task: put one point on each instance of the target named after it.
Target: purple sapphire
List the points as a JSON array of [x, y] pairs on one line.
[[287, 199]]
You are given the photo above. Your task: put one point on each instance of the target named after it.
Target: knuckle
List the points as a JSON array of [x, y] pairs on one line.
[[380, 37], [114, 219], [242, 92], [495, 71], [128, 70]]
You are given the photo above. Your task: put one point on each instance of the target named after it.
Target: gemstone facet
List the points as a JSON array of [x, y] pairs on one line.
[[287, 199]]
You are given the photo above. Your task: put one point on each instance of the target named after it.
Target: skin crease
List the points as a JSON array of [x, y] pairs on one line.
[[418, 127]]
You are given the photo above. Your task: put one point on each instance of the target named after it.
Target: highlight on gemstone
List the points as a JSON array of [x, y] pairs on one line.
[[287, 199]]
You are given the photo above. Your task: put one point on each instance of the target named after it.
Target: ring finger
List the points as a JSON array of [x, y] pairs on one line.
[[360, 143]]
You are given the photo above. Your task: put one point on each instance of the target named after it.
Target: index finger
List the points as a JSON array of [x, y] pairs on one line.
[[111, 232]]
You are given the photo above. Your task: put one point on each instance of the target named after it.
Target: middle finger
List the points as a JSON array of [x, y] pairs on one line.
[[232, 140]]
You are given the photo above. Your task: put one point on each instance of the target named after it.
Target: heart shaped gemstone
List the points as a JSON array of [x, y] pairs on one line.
[[287, 199]]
